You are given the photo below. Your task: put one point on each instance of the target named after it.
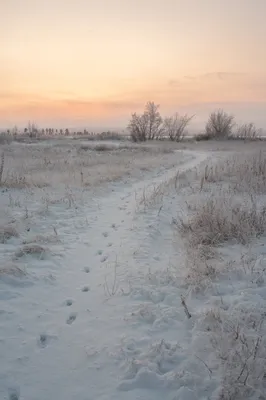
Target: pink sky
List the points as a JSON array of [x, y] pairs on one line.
[[93, 62]]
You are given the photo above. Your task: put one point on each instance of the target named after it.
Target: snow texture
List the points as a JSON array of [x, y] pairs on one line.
[[90, 294]]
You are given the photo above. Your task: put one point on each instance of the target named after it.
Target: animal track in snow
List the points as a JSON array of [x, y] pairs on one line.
[[87, 270], [69, 302], [85, 289], [44, 339], [72, 317], [13, 394]]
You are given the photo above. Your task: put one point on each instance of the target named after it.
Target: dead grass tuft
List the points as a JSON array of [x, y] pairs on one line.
[[239, 345], [32, 249], [12, 269], [220, 219], [244, 173], [7, 232], [45, 239]]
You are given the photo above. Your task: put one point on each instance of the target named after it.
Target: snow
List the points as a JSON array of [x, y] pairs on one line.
[[97, 313]]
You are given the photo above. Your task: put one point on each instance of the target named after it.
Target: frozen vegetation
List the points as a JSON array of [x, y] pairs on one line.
[[132, 271]]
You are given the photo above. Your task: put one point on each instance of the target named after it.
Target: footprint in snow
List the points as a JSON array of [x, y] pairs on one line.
[[44, 339], [99, 252], [104, 258], [85, 289], [110, 244], [87, 270], [105, 234], [69, 302], [13, 394], [72, 317]]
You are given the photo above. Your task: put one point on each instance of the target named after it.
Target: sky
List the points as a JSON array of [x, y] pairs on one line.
[[94, 62]]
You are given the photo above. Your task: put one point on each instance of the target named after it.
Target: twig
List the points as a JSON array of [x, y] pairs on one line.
[[185, 307], [2, 166], [210, 371], [160, 209]]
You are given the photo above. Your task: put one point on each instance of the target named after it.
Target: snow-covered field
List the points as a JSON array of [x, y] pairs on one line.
[[109, 288]]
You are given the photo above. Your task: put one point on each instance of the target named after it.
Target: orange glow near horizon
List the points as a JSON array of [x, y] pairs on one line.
[[101, 60]]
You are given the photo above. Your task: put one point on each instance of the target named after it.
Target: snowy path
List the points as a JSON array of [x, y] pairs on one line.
[[72, 337]]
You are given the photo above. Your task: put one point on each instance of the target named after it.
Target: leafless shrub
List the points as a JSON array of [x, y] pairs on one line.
[[220, 125], [138, 127], [146, 126], [154, 120], [32, 130], [247, 132], [174, 127]]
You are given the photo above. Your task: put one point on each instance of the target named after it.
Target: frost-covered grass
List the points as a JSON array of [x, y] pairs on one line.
[[225, 222], [107, 295], [41, 182], [246, 173], [222, 217], [76, 164]]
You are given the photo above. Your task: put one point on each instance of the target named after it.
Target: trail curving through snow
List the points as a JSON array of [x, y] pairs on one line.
[[89, 334]]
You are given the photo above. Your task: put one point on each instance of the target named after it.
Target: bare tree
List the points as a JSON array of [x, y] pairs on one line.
[[32, 129], [138, 127], [247, 131], [154, 120], [220, 125], [174, 127], [147, 126]]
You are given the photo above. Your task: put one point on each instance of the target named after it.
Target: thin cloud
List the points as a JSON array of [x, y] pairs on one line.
[[173, 82], [41, 108], [217, 75]]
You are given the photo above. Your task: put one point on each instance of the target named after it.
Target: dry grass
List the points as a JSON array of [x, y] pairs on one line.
[[12, 269], [230, 209], [7, 232], [6, 138], [244, 172], [240, 347], [45, 239], [220, 219], [32, 249], [77, 164], [105, 136], [233, 210]]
